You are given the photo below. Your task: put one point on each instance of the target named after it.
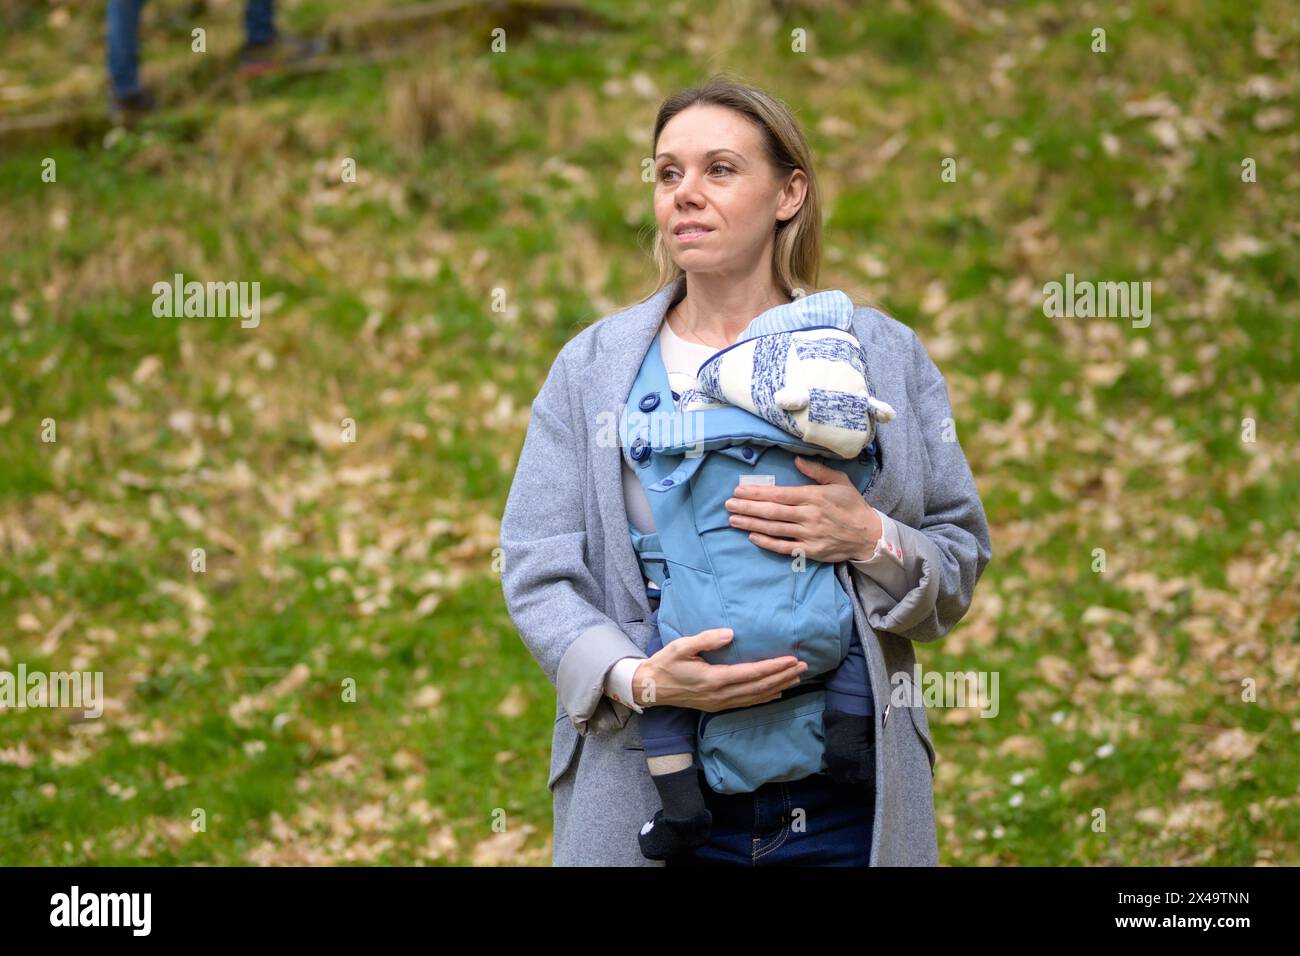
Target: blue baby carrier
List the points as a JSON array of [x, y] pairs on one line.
[[707, 573]]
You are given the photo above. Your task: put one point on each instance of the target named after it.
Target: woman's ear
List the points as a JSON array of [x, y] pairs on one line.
[[793, 194]]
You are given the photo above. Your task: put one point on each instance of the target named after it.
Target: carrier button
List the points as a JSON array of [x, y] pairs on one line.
[[649, 401], [747, 452], [667, 481], [640, 450]]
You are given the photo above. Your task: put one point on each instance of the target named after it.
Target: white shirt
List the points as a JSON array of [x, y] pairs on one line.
[[681, 361]]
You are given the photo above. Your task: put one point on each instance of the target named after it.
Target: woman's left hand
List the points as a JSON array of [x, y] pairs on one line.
[[828, 521]]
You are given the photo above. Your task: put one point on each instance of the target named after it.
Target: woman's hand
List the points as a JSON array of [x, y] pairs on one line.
[[678, 675], [828, 521]]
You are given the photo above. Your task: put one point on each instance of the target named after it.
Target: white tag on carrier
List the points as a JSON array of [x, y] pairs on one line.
[[758, 479]]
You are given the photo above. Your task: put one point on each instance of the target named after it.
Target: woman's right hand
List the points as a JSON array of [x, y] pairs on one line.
[[678, 675]]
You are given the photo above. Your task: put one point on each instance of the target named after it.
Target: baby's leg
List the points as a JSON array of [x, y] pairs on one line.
[[849, 720], [667, 732], [668, 735]]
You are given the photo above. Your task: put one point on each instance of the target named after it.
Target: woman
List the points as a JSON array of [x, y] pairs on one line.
[[738, 215]]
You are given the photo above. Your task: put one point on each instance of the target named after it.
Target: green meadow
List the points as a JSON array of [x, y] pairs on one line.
[[333, 677]]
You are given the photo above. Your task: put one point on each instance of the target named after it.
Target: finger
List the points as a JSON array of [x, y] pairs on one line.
[[694, 644], [776, 528], [772, 510], [771, 689], [774, 685], [740, 674], [782, 495], [737, 695], [819, 471], [779, 545]]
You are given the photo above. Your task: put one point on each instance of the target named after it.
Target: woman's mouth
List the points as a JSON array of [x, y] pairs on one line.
[[690, 235]]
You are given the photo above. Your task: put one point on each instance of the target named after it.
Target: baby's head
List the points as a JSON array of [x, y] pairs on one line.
[[801, 368]]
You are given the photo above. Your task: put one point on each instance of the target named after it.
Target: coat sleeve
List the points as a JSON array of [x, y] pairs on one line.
[[554, 600], [948, 552]]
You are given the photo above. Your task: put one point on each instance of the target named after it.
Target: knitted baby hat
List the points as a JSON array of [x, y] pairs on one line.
[[799, 367]]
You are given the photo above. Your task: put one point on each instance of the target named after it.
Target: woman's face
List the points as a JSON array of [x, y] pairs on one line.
[[710, 168]]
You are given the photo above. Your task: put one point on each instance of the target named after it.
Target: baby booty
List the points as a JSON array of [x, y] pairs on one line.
[[850, 748], [684, 823]]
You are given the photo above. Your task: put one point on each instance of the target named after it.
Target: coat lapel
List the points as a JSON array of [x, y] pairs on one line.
[[608, 380], [887, 488]]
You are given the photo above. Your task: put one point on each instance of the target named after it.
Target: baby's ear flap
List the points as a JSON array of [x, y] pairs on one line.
[[884, 411], [791, 399]]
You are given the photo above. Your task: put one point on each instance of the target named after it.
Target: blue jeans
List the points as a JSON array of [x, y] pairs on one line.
[[124, 31], [808, 822]]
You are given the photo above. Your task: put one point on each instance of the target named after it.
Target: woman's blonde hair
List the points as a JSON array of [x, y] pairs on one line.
[[797, 254]]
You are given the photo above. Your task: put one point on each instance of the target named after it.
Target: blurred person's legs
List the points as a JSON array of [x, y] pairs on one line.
[[123, 26], [262, 52], [260, 38], [264, 48], [259, 22]]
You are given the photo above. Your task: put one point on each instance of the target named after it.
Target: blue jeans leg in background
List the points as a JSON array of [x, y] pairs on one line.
[[123, 38], [259, 22], [123, 23]]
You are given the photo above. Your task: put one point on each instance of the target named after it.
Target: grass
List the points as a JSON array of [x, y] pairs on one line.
[[342, 683]]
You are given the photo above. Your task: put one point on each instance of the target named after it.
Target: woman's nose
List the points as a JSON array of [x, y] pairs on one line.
[[688, 190]]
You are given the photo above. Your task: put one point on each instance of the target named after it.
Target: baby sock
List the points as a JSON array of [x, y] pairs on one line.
[[684, 822], [850, 747]]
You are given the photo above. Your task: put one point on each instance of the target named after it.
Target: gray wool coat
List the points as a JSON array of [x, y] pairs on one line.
[[576, 595]]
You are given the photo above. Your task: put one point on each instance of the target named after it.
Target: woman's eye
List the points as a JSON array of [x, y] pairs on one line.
[[663, 175]]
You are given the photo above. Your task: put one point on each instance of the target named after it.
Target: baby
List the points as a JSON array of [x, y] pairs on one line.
[[809, 380]]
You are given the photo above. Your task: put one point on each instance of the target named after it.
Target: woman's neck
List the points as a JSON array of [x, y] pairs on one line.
[[714, 313]]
